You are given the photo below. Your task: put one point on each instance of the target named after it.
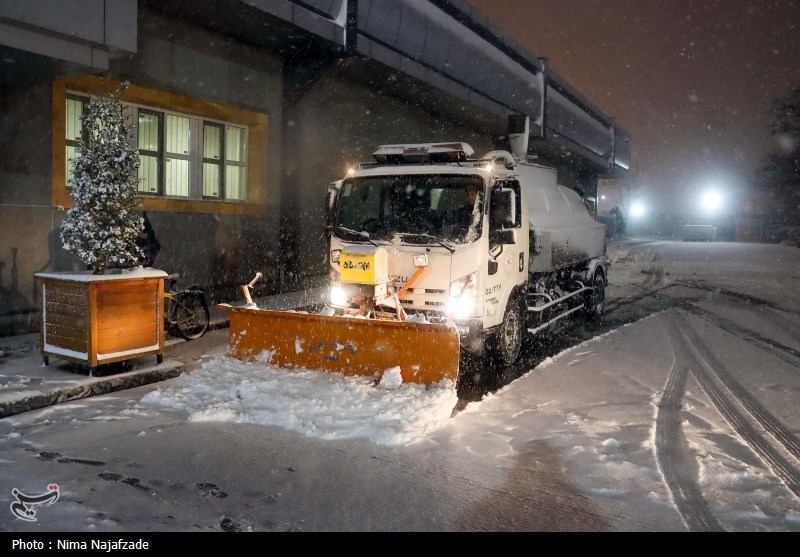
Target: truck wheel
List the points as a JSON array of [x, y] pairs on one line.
[[506, 342], [596, 299]]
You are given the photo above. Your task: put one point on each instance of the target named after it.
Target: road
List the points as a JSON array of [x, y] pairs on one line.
[[677, 412]]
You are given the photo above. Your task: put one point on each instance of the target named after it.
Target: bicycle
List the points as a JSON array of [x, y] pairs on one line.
[[185, 311]]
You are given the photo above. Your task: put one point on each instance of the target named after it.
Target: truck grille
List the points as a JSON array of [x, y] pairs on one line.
[[399, 285], [427, 303], [425, 297]]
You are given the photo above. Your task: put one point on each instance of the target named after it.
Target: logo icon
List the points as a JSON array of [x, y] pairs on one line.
[[25, 505]]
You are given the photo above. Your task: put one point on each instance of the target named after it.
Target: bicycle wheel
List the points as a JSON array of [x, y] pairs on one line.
[[189, 314]]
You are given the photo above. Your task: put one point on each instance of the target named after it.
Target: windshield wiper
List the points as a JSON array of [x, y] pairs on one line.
[[360, 233], [442, 243]]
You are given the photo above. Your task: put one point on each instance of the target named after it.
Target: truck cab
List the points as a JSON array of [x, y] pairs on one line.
[[427, 233]]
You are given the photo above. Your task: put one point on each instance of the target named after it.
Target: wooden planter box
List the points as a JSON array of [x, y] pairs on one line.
[[99, 319]]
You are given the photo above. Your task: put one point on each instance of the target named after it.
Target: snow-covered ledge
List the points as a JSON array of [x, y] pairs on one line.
[[111, 274]]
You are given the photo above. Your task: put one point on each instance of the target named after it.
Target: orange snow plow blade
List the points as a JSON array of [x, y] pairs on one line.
[[426, 353]]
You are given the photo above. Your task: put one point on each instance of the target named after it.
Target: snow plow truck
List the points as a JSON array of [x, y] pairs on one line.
[[435, 255]]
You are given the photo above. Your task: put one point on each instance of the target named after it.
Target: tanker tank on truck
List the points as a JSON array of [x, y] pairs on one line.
[[434, 253]]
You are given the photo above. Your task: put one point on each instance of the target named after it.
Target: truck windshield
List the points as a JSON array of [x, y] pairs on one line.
[[417, 208]]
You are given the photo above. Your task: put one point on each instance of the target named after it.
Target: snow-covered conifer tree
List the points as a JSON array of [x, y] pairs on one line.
[[102, 227]]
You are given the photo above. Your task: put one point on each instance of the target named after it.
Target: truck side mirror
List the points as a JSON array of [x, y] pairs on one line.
[[503, 211], [330, 201], [330, 204]]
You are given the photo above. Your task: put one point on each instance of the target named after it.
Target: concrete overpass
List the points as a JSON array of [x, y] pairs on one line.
[[445, 44]]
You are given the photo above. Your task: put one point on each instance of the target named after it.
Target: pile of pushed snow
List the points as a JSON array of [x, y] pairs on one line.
[[318, 404]]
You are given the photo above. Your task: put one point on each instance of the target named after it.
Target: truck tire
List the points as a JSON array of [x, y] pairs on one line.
[[505, 344], [596, 298]]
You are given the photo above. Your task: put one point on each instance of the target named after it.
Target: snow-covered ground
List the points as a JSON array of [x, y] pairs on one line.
[[324, 405], [686, 418], [596, 403], [332, 406]]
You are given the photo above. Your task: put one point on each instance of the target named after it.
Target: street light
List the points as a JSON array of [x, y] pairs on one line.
[[711, 201]]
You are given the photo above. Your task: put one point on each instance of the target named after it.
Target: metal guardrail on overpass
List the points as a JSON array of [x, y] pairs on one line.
[[446, 44], [450, 45]]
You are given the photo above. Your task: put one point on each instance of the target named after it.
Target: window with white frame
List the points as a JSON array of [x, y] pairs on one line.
[[73, 128], [181, 156]]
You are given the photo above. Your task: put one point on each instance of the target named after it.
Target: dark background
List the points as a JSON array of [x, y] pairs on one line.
[[690, 80]]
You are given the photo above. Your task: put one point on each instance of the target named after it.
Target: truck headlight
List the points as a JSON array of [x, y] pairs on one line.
[[335, 253], [461, 307], [338, 297], [463, 294]]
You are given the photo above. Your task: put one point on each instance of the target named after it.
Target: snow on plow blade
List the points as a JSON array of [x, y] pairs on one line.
[[426, 353]]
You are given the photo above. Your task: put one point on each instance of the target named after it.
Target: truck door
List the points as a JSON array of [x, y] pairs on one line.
[[508, 250]]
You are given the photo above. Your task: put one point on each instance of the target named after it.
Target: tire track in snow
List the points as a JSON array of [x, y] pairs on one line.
[[729, 396], [672, 453], [747, 298], [786, 354], [615, 305], [787, 325]]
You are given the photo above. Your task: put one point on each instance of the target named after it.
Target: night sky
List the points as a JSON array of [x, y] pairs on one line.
[[690, 80]]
